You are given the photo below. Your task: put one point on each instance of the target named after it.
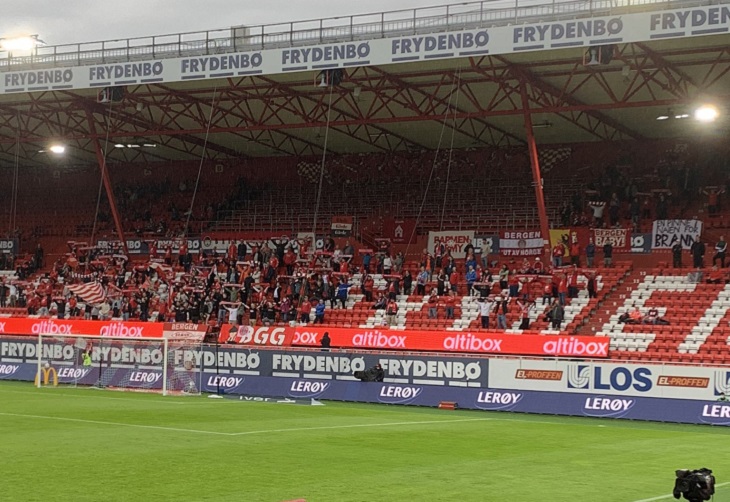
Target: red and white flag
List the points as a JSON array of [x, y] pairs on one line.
[[91, 292]]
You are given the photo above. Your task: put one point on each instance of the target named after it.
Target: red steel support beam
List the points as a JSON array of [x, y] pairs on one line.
[[107, 183], [536, 176]]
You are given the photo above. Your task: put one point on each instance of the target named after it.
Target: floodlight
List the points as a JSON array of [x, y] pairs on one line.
[[27, 43], [706, 113], [57, 149]]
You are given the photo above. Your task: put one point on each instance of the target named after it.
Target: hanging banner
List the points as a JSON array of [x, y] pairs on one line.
[[560, 235], [453, 240], [487, 244], [667, 232], [620, 238], [399, 230], [341, 226], [641, 243], [9, 246], [522, 243], [184, 331]]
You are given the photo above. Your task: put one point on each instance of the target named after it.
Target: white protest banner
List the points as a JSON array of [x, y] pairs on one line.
[[454, 241], [666, 232]]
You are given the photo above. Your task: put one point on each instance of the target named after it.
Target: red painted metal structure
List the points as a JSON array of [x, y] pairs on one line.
[[380, 109]]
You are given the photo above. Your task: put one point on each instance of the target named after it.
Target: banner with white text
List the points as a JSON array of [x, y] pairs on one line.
[[620, 238], [520, 243]]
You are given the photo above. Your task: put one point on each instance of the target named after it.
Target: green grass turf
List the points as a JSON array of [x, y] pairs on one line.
[[92, 445]]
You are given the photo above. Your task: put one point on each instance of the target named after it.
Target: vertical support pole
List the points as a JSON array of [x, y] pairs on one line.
[[164, 366], [39, 353], [107, 183], [536, 176]]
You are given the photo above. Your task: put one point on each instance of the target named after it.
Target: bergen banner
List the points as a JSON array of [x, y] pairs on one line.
[[521, 243], [455, 341], [33, 326], [620, 238]]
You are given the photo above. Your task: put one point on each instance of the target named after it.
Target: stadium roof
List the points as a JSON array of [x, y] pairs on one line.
[[474, 101]]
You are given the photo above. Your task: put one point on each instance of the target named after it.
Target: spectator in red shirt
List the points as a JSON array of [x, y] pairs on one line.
[[573, 282], [454, 280], [304, 309], [433, 304], [558, 252], [575, 254], [562, 290], [538, 266], [450, 302]]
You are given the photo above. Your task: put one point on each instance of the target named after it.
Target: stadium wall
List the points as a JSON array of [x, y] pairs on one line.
[[665, 393]]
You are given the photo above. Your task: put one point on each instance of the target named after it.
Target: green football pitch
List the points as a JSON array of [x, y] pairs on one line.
[[91, 445]]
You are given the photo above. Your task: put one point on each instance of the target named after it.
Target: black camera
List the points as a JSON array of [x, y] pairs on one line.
[[695, 486], [374, 374]]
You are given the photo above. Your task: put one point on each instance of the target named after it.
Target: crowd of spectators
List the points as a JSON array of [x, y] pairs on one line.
[[284, 281]]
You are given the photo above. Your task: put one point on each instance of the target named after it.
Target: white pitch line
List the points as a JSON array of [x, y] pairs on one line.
[[266, 431], [670, 496], [353, 426], [53, 393], [119, 424]]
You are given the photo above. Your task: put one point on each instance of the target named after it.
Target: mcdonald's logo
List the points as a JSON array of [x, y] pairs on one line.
[[47, 374]]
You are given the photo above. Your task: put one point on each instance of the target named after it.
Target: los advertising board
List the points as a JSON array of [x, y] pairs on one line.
[[610, 378]]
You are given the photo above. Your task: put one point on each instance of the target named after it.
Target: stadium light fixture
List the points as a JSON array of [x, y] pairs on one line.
[[27, 43], [57, 149], [119, 145], [706, 113]]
